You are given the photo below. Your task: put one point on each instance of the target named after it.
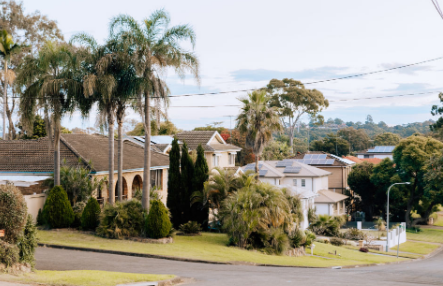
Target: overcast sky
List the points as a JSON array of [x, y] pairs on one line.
[[244, 44]]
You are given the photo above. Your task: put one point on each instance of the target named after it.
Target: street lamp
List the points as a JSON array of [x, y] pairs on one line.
[[387, 213]]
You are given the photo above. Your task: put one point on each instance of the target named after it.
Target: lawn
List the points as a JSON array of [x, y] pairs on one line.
[[83, 277], [426, 234], [417, 247], [212, 247]]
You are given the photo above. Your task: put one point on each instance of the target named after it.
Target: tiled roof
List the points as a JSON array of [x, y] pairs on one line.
[[195, 138], [37, 155], [353, 159], [372, 160], [275, 172], [326, 196]]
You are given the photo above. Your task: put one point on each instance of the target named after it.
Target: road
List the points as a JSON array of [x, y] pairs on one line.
[[424, 272]]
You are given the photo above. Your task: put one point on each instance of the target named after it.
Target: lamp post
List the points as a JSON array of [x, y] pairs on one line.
[[387, 213]]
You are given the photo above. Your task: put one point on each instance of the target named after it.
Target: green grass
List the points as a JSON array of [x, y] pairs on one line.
[[417, 247], [83, 277], [426, 234], [212, 247], [404, 255]]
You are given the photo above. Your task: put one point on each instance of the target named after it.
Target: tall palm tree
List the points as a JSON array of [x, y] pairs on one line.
[[157, 47], [7, 49], [258, 121], [110, 80], [50, 81]]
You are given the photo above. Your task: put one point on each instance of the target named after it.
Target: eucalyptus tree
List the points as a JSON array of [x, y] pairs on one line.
[[110, 81], [294, 100], [157, 48], [8, 48], [257, 120], [49, 80]]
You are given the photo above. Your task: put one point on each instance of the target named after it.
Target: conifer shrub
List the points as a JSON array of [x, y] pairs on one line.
[[91, 214], [78, 211], [13, 212], [124, 219], [158, 224], [9, 253], [40, 219], [28, 242], [57, 211]]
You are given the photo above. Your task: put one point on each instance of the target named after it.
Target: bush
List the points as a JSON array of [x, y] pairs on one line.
[[297, 238], [78, 210], [364, 249], [124, 219], [277, 241], [91, 214], [336, 241], [40, 219], [354, 234], [57, 211], [9, 253], [28, 242], [326, 225], [310, 237], [13, 212], [191, 227], [158, 224]]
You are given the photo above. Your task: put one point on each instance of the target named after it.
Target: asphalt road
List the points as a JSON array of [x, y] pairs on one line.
[[424, 272]]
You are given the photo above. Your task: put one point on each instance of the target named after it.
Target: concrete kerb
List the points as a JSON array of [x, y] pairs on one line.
[[169, 282], [145, 255]]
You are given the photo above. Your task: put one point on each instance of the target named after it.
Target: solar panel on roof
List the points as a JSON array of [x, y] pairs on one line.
[[262, 173], [292, 170], [252, 167], [281, 164], [322, 156], [307, 156], [329, 162]]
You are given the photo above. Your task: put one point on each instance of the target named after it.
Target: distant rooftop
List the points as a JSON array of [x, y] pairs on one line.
[[382, 149]]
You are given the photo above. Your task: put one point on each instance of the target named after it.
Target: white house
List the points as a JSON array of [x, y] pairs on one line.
[[380, 152], [306, 181], [330, 203]]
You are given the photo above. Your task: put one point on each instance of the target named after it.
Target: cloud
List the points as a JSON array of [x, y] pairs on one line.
[[408, 70], [410, 87], [266, 75]]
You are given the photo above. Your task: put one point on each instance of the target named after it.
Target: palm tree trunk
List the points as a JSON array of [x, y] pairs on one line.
[[147, 163], [5, 86], [111, 189], [256, 164], [120, 161], [9, 112], [57, 128]]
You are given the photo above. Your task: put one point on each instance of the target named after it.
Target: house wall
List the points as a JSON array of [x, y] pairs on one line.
[[223, 160], [34, 203], [375, 156], [338, 180]]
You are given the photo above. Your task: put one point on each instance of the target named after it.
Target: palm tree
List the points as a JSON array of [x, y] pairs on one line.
[[157, 48], [110, 81], [50, 81], [257, 120], [7, 49]]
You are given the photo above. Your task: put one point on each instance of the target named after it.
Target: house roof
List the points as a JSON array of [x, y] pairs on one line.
[[195, 138], [326, 196], [361, 160], [353, 159], [269, 169], [378, 150], [337, 160], [37, 155]]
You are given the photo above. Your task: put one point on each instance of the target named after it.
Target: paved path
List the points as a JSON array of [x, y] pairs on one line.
[[424, 272]]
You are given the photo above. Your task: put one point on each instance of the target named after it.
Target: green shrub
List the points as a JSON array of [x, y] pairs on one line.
[[336, 241], [326, 225], [297, 238], [354, 234], [57, 211], [78, 210], [13, 212], [191, 227], [28, 242], [310, 237], [158, 224], [9, 253], [277, 241], [124, 219], [91, 214], [40, 219]]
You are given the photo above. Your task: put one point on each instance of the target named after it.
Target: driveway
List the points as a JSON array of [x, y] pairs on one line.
[[424, 272]]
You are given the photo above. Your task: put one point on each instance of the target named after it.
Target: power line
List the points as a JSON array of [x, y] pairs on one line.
[[336, 100], [308, 83]]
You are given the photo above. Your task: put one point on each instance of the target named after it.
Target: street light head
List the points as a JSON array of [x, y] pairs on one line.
[[407, 183]]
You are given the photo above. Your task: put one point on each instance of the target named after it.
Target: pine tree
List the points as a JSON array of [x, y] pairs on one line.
[[187, 180], [201, 175], [174, 184]]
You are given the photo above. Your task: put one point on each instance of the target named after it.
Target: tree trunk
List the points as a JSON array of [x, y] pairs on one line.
[[120, 161], [111, 189], [256, 164], [5, 103], [409, 205], [147, 163], [12, 133], [57, 128]]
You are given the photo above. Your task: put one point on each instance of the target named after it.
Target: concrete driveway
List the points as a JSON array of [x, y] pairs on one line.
[[424, 272]]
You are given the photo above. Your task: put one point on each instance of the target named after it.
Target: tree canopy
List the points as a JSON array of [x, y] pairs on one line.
[[387, 139]]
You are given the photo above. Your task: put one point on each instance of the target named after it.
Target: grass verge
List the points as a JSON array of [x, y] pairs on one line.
[[417, 247], [83, 277], [427, 235], [212, 247]]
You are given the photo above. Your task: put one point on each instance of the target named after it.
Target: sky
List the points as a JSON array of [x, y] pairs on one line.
[[244, 44]]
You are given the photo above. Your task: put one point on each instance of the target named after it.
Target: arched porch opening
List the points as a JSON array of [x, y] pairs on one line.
[[137, 185], [125, 190]]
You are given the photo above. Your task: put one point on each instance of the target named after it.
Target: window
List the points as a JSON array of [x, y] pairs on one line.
[[294, 181], [366, 156], [277, 182], [231, 159], [303, 182], [156, 179], [216, 160]]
